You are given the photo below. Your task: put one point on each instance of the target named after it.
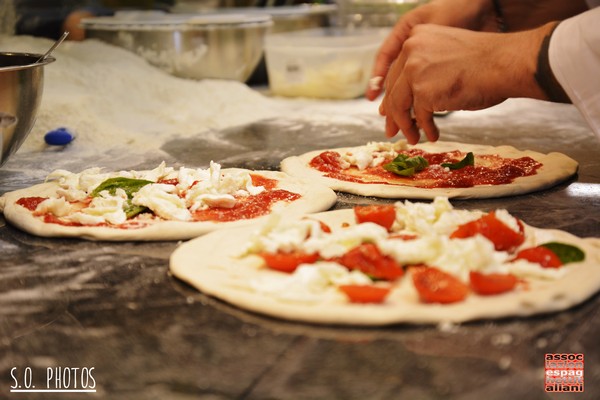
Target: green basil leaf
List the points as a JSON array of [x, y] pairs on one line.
[[406, 166], [468, 160], [129, 185], [131, 210], [566, 252]]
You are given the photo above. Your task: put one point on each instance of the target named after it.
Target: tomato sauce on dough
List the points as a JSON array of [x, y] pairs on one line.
[[246, 207], [489, 169]]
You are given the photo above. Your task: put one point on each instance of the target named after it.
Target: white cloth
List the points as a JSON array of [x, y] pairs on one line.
[[574, 55]]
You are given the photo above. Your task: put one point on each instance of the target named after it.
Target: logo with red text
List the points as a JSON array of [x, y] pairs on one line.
[[564, 372]]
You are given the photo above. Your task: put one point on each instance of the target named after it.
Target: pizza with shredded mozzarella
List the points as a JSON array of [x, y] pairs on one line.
[[164, 203]]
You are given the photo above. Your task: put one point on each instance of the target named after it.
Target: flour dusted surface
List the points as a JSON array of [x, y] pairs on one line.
[[110, 96]]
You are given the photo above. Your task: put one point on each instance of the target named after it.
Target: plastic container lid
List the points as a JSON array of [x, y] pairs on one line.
[[156, 19], [328, 37]]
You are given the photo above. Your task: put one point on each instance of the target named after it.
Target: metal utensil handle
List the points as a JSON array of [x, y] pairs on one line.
[[54, 46]]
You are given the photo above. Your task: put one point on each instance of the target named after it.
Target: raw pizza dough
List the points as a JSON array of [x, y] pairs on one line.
[[556, 167], [315, 198], [212, 264]]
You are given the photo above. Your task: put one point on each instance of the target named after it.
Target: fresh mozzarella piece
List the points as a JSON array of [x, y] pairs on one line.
[[158, 173], [87, 219], [307, 236], [63, 175], [283, 236], [525, 269], [372, 155], [88, 181], [239, 183], [201, 197], [459, 257], [105, 208], [72, 195], [336, 274], [250, 188], [214, 188], [427, 218], [310, 282], [362, 158], [68, 179], [448, 222], [162, 201], [214, 174], [187, 176], [508, 220], [204, 201], [76, 187], [341, 241], [422, 250], [57, 206]]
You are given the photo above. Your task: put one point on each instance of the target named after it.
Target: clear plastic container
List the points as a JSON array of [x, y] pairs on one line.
[[329, 63]]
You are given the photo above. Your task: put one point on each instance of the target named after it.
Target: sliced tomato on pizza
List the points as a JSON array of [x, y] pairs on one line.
[[433, 264]]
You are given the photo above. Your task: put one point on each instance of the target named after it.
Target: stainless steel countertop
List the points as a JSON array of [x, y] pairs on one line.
[[114, 307]]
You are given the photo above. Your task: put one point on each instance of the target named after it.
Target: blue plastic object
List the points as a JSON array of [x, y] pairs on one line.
[[59, 137]]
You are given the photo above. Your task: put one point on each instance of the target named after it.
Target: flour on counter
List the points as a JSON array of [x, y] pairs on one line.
[[111, 97]]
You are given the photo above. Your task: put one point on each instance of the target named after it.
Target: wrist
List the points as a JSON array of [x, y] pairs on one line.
[[516, 63], [543, 74]]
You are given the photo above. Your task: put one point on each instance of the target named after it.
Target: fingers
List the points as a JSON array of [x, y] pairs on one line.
[[411, 95], [397, 107], [397, 103], [386, 55], [424, 120]]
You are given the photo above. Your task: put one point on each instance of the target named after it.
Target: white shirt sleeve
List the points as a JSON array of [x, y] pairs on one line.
[[574, 56]]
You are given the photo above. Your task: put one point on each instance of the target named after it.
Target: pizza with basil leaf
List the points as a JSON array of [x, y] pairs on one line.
[[420, 263], [164, 203], [428, 170]]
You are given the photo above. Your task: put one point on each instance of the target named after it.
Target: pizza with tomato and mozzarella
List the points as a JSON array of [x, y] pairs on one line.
[[387, 264], [160, 204], [431, 169]]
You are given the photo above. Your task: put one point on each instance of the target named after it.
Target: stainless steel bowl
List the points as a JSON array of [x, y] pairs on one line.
[[285, 18], [22, 84], [189, 46]]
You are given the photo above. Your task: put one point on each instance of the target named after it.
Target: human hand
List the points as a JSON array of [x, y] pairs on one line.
[[442, 68], [469, 14], [72, 24]]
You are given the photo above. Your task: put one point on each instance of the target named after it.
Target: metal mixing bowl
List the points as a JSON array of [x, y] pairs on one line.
[[22, 84], [285, 18], [189, 46]]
